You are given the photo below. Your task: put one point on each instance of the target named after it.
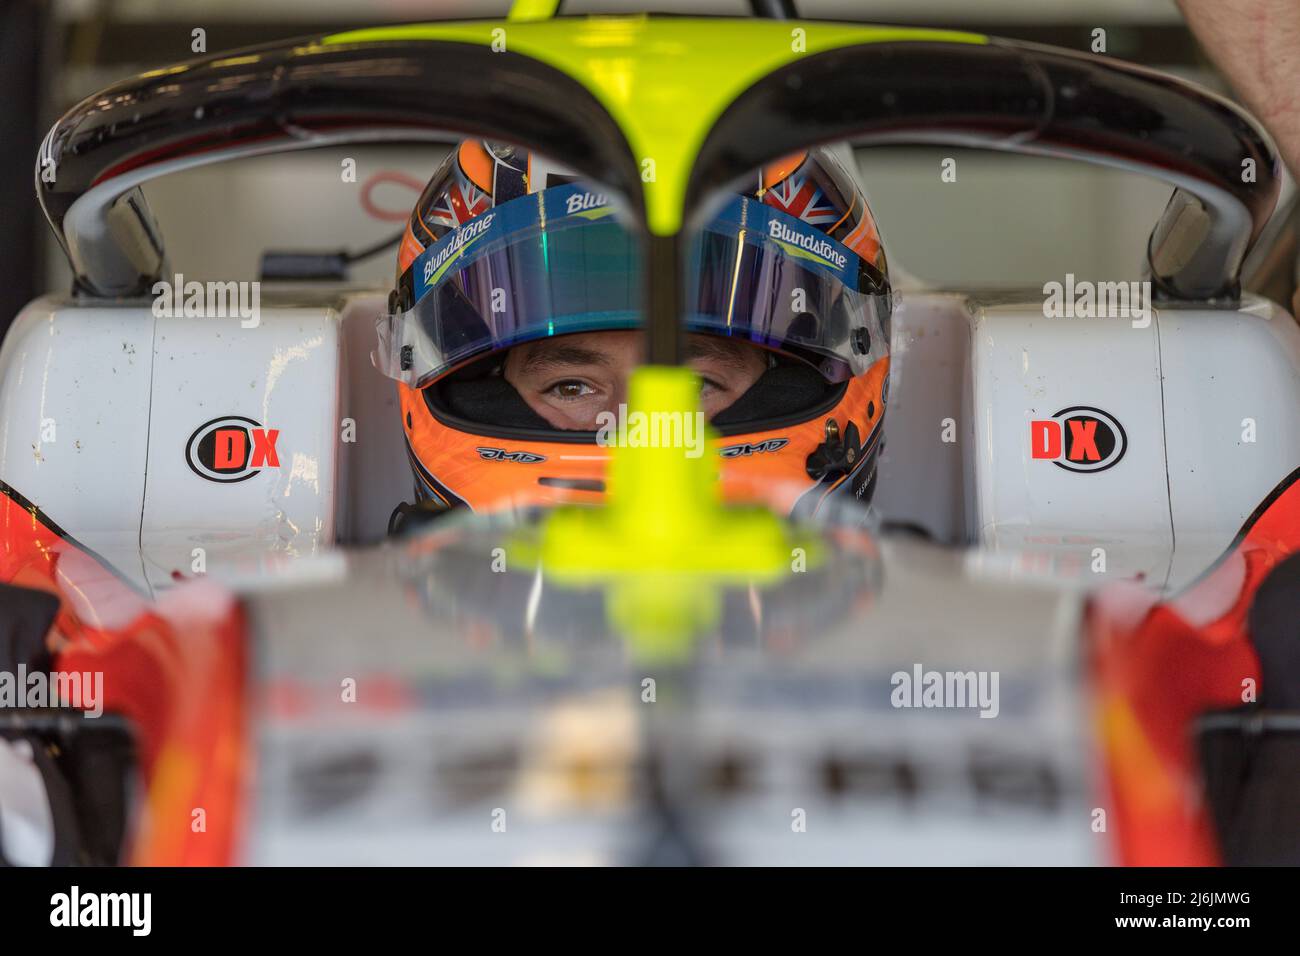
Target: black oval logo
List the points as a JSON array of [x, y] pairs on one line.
[[1080, 438], [231, 448]]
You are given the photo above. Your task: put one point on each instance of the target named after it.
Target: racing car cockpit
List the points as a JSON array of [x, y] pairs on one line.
[[225, 544]]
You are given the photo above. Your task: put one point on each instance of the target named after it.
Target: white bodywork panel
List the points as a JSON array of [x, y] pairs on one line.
[[282, 374], [1026, 367], [1182, 388], [1222, 372], [81, 375], [120, 392], [375, 466], [923, 478]]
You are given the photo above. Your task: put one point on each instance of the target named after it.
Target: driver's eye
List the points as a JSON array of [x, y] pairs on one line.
[[570, 389]]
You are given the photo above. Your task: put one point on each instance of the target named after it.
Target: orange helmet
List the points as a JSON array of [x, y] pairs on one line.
[[503, 249]]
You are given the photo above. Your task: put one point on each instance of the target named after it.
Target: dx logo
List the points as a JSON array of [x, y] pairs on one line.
[[231, 448], [1080, 438]]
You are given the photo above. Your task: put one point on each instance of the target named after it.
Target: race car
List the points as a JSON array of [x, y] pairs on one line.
[[1063, 636]]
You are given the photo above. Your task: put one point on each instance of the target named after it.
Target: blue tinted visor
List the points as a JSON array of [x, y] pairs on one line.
[[559, 261]]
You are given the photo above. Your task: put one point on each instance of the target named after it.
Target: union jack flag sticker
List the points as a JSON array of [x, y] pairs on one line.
[[799, 196], [461, 202]]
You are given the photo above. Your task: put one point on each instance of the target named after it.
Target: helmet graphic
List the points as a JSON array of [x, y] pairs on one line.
[[503, 249]]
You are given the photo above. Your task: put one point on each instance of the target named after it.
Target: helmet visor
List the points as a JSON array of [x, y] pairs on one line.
[[559, 261]]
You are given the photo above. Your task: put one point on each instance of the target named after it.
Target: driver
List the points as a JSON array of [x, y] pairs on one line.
[[513, 331]]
